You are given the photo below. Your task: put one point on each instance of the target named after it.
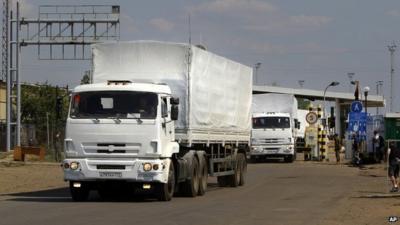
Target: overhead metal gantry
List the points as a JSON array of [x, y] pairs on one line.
[[60, 32]]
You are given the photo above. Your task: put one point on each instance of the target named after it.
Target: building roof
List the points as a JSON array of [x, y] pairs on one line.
[[343, 97]]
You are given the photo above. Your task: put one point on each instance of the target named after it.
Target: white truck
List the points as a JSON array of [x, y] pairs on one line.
[[300, 144], [274, 127], [159, 117]]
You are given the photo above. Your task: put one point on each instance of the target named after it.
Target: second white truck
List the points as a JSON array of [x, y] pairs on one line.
[[159, 117], [274, 127]]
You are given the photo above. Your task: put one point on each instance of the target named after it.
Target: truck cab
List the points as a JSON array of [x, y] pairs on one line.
[[119, 130], [273, 136]]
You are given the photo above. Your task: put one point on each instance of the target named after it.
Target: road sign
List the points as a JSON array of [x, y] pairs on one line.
[[311, 117], [358, 123], [356, 106], [311, 136]]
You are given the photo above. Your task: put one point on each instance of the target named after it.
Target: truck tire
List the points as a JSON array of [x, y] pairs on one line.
[[166, 191], [203, 174], [190, 187], [79, 194], [234, 179], [243, 168]]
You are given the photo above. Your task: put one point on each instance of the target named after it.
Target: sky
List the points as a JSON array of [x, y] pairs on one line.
[[318, 41]]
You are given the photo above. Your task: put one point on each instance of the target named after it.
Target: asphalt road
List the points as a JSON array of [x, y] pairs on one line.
[[275, 193]]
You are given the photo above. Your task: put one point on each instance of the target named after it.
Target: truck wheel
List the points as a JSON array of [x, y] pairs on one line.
[[190, 187], [203, 175], [79, 194], [166, 191], [234, 179], [243, 168]]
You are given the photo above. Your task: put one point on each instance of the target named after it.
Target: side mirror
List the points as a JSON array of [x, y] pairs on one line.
[[174, 101], [298, 125], [174, 112]]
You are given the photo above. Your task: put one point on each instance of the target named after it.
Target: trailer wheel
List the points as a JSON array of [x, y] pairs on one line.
[[79, 194], [190, 187], [166, 191], [203, 175], [234, 179], [243, 168]]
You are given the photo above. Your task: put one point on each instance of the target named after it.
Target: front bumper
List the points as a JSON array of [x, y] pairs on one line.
[[132, 170], [272, 150]]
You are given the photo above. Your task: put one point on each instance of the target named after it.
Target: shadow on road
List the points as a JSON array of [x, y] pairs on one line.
[[63, 195], [51, 195], [267, 160]]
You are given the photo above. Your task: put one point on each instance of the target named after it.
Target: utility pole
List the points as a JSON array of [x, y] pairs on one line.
[[4, 40], [257, 66], [379, 84], [392, 49]]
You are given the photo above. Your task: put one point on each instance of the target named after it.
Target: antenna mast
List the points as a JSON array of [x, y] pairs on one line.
[[392, 49]]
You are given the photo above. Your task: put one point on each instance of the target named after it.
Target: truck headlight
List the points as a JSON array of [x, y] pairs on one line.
[[74, 165], [254, 141], [147, 166]]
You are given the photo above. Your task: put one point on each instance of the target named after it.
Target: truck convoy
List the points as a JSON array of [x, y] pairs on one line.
[[274, 127], [159, 117], [300, 143]]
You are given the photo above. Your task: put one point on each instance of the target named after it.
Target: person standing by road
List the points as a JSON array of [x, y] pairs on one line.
[[356, 150], [337, 147], [378, 145], [394, 164]]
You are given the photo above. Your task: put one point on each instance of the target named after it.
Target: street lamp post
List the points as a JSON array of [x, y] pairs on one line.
[[351, 77], [257, 66], [366, 90], [332, 84], [379, 84]]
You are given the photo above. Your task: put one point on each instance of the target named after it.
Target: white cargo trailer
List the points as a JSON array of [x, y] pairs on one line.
[[125, 128]]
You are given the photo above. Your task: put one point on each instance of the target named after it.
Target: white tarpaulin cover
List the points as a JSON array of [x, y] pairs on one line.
[[278, 103], [220, 89]]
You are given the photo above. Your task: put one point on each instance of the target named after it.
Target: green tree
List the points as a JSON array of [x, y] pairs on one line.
[[303, 103], [38, 101]]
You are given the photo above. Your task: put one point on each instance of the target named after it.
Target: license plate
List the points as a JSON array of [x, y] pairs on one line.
[[110, 174], [270, 151]]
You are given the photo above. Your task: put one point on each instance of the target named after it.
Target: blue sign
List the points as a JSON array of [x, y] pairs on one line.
[[356, 106], [358, 123]]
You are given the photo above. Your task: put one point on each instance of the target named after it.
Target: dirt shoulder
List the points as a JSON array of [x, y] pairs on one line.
[[21, 177], [370, 202]]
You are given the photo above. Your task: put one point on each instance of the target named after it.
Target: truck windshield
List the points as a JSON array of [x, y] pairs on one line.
[[114, 104], [271, 122]]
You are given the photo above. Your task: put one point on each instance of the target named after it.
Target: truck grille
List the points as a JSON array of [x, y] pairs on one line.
[[110, 167], [273, 140], [130, 149]]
